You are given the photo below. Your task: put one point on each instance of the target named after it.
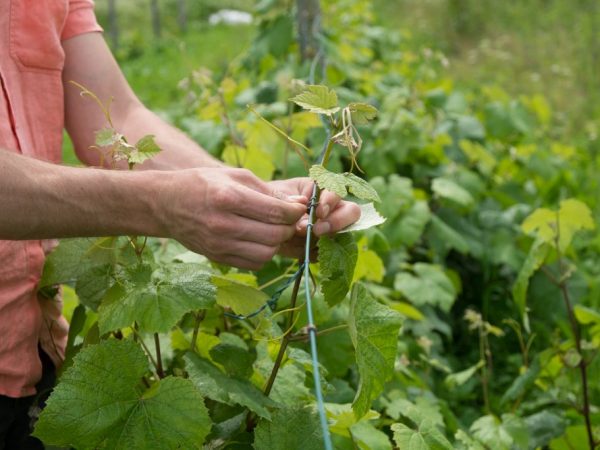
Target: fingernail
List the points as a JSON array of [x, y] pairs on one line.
[[325, 210], [303, 224], [297, 198], [322, 228]]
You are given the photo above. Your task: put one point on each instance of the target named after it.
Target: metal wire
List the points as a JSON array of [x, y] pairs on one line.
[[305, 266]]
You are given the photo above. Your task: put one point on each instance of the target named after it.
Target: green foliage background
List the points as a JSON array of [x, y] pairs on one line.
[[490, 192]]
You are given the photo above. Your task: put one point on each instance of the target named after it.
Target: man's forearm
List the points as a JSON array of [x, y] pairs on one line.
[[41, 200]]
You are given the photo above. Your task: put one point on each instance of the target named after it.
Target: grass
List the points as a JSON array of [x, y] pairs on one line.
[[550, 47]]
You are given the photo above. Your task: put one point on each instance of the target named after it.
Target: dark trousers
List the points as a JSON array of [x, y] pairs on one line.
[[17, 415]]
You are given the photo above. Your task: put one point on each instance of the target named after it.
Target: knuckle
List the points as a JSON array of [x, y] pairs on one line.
[[275, 214], [224, 196], [243, 174]]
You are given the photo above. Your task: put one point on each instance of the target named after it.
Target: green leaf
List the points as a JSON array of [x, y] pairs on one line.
[[498, 434], [367, 437], [343, 183], [290, 387], [93, 284], [251, 158], [423, 409], [318, 99], [214, 384], [426, 436], [459, 378], [362, 113], [106, 137], [411, 225], [374, 331], [573, 216], [337, 259], [341, 418], [75, 256], [236, 361], [450, 238], [543, 427], [468, 443], [368, 264], [535, 259], [291, 428], [241, 298], [522, 383], [585, 316], [369, 218], [450, 190], [156, 300], [100, 402], [145, 149], [428, 286]]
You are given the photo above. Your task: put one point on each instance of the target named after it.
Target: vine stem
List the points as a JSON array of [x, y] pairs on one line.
[[484, 369], [199, 317], [286, 337], [145, 347], [582, 363], [562, 285], [159, 365]]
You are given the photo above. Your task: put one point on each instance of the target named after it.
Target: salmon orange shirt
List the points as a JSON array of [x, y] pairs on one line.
[[31, 123]]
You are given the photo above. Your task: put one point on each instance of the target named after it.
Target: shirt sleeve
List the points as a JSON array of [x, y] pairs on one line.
[[80, 19]]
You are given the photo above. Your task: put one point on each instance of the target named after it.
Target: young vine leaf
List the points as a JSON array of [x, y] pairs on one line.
[[117, 413], [425, 436], [428, 286], [146, 148], [369, 217], [362, 113], [343, 183], [241, 298], [317, 99], [156, 300]]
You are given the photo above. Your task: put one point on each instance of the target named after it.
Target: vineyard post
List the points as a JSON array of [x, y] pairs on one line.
[[308, 17]]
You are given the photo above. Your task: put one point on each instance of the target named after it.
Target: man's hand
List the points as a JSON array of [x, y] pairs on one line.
[[333, 213], [229, 215]]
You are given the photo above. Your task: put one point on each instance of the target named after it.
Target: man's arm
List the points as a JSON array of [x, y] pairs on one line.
[[88, 61], [228, 215]]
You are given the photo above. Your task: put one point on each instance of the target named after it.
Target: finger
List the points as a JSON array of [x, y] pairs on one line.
[[286, 190], [240, 263], [345, 214], [301, 225], [255, 255], [265, 208], [328, 202], [245, 229]]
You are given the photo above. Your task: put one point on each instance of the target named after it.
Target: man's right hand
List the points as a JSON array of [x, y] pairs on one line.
[[228, 215]]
